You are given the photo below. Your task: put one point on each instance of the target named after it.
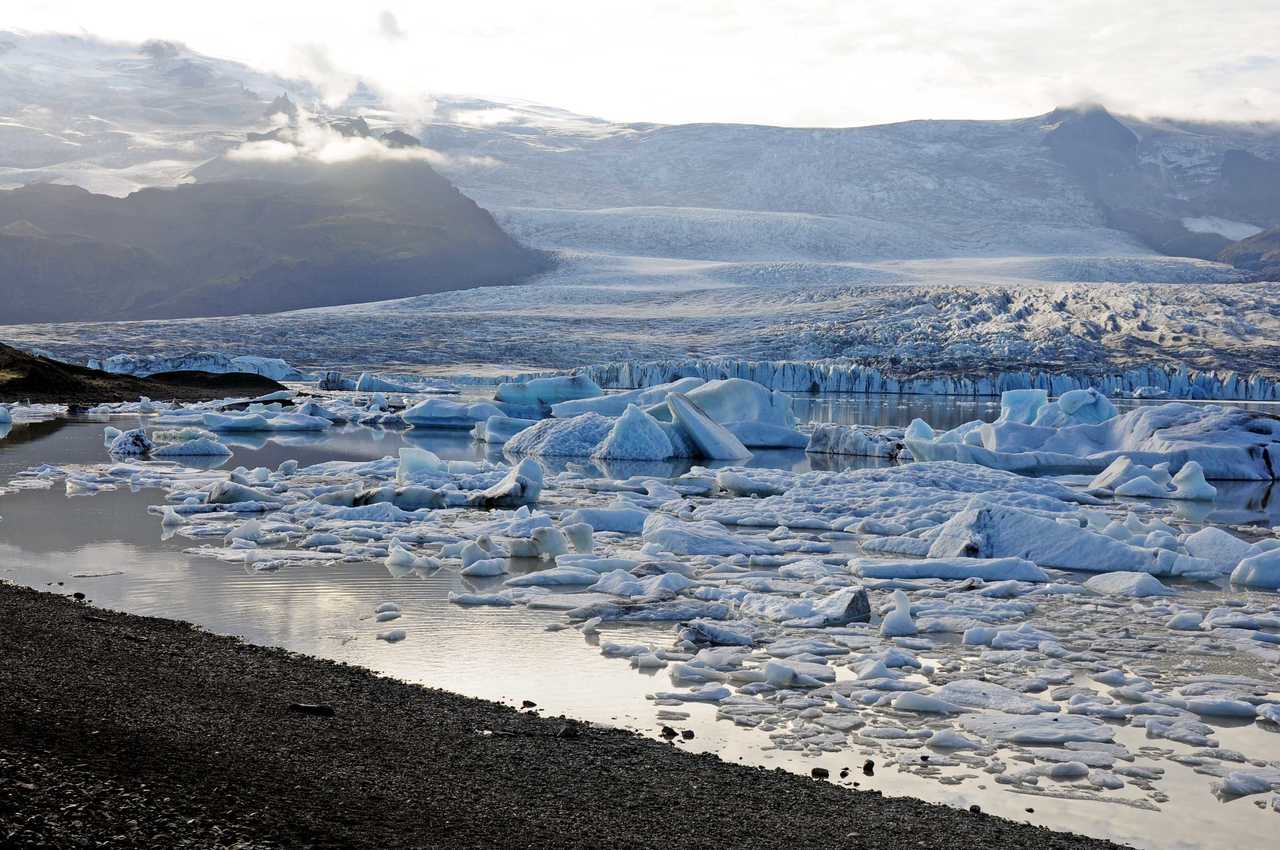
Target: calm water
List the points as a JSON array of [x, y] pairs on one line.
[[110, 548]]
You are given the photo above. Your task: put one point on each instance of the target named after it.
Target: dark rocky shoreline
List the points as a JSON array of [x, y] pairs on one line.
[[29, 377], [124, 731]]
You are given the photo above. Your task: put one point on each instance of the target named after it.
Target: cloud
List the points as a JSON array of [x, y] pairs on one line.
[[312, 140], [389, 28], [313, 63]]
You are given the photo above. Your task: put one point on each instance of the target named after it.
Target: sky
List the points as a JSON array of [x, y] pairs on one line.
[[786, 62]]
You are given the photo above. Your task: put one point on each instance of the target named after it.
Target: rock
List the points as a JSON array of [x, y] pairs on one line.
[[820, 773], [312, 709]]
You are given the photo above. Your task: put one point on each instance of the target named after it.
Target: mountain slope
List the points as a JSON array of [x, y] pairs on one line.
[[265, 238]]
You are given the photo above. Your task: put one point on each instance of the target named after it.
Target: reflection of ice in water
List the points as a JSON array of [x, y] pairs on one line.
[[509, 654]]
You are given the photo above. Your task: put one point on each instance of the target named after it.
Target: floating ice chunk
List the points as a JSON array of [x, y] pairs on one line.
[[198, 447], [1122, 470], [972, 693], [550, 542], [131, 443], [1143, 488], [501, 600], [635, 436], [1022, 406], [1190, 484], [765, 435], [522, 485], [1220, 548], [986, 530], [736, 400], [625, 520], [1018, 729], [738, 484], [924, 704], [1229, 443], [848, 605], [297, 422], [486, 567], [718, 634], [1242, 783], [544, 392], [702, 538], [898, 622], [953, 569], [171, 518], [235, 422], [1261, 570], [500, 429], [442, 413], [1134, 585], [1076, 407], [1185, 621], [947, 739], [419, 465], [622, 583], [229, 493], [711, 439], [1208, 707], [574, 437], [554, 577], [615, 403], [371, 383], [581, 537], [828, 438], [709, 693]]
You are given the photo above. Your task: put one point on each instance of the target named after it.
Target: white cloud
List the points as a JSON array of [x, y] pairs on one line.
[[389, 27], [309, 139], [797, 62]]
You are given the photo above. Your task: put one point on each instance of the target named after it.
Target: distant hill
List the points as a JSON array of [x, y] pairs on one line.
[[25, 376], [1259, 254], [248, 238]]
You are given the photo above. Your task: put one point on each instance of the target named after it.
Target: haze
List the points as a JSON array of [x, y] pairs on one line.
[[790, 63]]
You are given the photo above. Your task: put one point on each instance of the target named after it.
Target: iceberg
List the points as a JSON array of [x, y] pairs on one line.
[[711, 439], [546, 392], [577, 436], [635, 436], [736, 400], [500, 429], [951, 569], [615, 403], [443, 413], [986, 530], [1261, 570], [1227, 443]]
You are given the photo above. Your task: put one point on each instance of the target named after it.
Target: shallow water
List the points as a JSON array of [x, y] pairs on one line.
[[110, 548]]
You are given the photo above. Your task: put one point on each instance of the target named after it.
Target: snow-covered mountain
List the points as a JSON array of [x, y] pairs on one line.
[[114, 118], [917, 247]]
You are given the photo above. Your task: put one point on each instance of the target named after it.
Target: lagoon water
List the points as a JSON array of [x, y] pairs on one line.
[[109, 547]]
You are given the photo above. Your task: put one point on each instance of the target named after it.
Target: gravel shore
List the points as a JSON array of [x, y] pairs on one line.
[[121, 731]]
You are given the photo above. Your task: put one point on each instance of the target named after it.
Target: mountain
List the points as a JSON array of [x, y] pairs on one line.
[[259, 237], [168, 211], [1077, 180], [1259, 254], [32, 377]]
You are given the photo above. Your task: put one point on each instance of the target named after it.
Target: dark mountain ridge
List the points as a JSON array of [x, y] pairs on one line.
[[249, 238]]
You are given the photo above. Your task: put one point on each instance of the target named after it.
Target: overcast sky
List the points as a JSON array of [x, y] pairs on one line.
[[793, 62]]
